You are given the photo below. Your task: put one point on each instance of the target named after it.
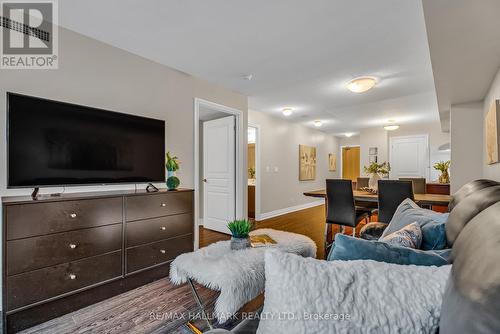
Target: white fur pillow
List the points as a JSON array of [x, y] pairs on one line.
[[364, 296]]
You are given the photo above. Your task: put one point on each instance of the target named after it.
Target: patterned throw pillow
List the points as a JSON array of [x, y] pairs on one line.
[[409, 236]]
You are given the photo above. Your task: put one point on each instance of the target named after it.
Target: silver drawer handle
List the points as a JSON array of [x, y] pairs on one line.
[[72, 276], [163, 251], [163, 205], [73, 215], [163, 228], [72, 246]]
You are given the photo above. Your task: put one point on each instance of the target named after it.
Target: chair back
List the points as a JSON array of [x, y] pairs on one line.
[[419, 184], [390, 194], [362, 182], [340, 203]]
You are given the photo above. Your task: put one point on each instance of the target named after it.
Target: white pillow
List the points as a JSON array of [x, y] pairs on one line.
[[312, 296]]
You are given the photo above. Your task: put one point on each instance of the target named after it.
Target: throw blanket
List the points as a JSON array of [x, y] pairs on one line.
[[363, 296], [238, 275]]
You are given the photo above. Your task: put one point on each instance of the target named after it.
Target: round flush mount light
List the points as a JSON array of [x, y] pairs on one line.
[[391, 126], [349, 134], [361, 84], [318, 123], [287, 111]]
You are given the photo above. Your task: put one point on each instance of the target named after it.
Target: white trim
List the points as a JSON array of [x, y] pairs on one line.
[[200, 221], [241, 178], [257, 167], [290, 209], [427, 147], [341, 176]]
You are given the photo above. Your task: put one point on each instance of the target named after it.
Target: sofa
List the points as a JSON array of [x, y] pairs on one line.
[[469, 298]]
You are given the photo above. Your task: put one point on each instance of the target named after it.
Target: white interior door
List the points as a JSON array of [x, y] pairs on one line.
[[219, 175], [409, 156]]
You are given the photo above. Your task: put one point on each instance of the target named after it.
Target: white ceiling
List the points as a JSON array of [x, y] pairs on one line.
[[464, 40], [301, 53]]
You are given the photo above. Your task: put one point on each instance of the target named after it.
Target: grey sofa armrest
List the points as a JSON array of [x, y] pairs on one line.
[[372, 231]]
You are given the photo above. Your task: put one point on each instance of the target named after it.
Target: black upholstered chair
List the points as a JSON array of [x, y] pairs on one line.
[[419, 184], [340, 207], [390, 194]]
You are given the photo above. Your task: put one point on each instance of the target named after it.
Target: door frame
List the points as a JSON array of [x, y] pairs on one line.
[[427, 153], [341, 176], [240, 177], [257, 168]]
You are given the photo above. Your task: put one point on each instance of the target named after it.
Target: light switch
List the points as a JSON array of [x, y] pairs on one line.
[[276, 169]]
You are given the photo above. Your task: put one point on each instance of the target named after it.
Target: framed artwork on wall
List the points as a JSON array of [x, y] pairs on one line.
[[307, 163], [491, 131], [332, 162], [373, 151]]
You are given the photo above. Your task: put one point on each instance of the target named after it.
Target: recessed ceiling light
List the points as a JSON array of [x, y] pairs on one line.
[[361, 84], [391, 126], [287, 111], [349, 134], [318, 123]]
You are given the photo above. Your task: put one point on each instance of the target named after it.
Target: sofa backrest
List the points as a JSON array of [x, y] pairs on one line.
[[471, 303]]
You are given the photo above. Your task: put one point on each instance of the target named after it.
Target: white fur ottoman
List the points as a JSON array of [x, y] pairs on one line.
[[238, 275]]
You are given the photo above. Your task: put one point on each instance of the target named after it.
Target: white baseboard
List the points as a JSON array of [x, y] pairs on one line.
[[290, 209]]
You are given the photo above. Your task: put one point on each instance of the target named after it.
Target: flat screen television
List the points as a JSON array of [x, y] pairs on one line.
[[53, 143]]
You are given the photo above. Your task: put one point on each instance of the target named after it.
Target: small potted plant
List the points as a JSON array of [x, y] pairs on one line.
[[251, 172], [376, 171], [443, 167], [172, 165], [240, 229]]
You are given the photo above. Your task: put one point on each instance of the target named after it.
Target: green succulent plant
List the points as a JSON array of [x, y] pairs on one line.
[[172, 163], [240, 228]]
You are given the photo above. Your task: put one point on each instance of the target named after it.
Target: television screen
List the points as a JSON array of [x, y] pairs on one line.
[[53, 143]]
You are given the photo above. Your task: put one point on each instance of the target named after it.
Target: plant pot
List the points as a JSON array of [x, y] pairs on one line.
[[373, 181], [172, 181], [444, 177], [240, 243]]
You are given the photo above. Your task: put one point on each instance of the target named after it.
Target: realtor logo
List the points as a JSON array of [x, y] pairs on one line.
[[29, 34]]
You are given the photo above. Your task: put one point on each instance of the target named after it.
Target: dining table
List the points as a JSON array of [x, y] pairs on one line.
[[365, 196]]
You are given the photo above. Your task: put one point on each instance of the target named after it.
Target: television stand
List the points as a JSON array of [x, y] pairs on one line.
[[34, 194], [151, 188]]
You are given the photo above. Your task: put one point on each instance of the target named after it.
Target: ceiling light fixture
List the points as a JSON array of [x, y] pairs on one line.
[[287, 111], [318, 123], [349, 134], [361, 84], [391, 126]]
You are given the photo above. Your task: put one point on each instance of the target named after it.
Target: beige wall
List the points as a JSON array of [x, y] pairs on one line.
[[279, 145], [491, 171], [466, 128], [373, 137], [99, 75], [379, 137]]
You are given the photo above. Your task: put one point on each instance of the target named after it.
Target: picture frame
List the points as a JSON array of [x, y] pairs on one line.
[[307, 163]]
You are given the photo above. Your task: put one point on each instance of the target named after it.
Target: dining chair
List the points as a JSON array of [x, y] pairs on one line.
[[340, 207], [419, 184], [362, 182], [390, 194]]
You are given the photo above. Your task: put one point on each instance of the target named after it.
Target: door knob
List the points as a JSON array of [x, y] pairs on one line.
[[205, 180]]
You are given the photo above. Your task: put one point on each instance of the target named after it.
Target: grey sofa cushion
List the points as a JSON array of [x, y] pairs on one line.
[[472, 300]]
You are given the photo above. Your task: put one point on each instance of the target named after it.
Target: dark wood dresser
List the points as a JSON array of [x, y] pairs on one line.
[[64, 253]]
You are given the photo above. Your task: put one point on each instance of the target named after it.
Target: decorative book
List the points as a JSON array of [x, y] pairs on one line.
[[261, 240]]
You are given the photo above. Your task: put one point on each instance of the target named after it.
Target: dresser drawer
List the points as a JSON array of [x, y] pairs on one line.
[[145, 231], [28, 288], [157, 205], [28, 220], [39, 252], [158, 252]]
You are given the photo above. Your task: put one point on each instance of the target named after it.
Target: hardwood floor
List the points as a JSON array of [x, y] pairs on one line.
[[309, 222]]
